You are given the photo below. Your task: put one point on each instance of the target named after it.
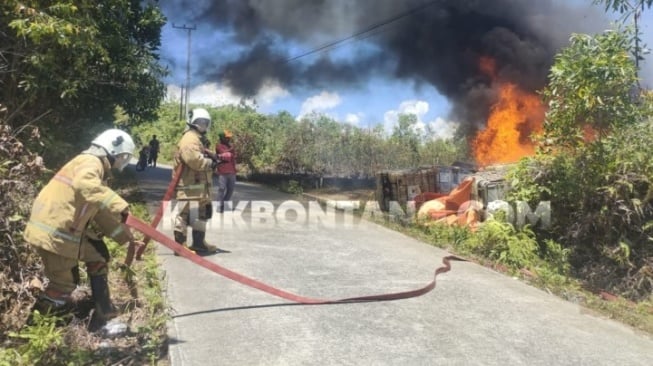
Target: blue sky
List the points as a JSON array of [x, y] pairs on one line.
[[378, 101]]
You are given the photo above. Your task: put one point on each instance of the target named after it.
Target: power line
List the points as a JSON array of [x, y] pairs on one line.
[[366, 30]]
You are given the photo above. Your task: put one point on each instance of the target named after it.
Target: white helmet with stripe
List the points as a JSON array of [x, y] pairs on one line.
[[200, 119], [118, 144]]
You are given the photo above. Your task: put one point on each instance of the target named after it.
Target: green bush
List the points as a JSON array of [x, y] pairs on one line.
[[41, 340], [602, 209], [294, 187], [504, 243]]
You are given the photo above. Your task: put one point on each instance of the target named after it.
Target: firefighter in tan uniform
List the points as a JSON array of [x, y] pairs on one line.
[[195, 185], [73, 212]]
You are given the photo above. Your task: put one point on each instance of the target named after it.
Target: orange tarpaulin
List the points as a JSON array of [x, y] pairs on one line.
[[450, 208]]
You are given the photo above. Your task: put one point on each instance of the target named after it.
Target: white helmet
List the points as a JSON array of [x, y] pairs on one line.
[[200, 119], [118, 144]]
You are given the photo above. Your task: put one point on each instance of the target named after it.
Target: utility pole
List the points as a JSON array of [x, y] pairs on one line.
[[636, 18], [181, 103], [189, 30]]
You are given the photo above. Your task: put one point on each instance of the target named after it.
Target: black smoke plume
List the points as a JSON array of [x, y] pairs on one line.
[[429, 42]]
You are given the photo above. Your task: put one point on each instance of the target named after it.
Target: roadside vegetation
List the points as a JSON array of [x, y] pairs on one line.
[[593, 163], [30, 337], [61, 83], [316, 145]]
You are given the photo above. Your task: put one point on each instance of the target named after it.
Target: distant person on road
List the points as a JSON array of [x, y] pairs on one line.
[[143, 156], [154, 151], [226, 169], [196, 182], [71, 215]]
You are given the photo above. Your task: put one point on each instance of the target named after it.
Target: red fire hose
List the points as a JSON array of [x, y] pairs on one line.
[[132, 250], [150, 232]]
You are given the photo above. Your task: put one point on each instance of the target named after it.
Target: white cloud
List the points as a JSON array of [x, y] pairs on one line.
[[390, 119], [353, 119], [172, 93], [319, 103], [438, 128], [270, 92], [417, 107], [216, 95]]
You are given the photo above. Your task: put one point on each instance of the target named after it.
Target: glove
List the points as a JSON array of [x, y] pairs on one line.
[[214, 164], [210, 154]]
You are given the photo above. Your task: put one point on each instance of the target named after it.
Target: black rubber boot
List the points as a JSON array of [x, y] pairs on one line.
[[101, 297], [102, 319], [180, 238], [200, 245]]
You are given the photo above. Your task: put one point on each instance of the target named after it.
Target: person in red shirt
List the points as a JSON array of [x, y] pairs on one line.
[[226, 169]]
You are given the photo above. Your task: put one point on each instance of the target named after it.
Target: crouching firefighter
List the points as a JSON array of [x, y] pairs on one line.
[[193, 192], [70, 216]]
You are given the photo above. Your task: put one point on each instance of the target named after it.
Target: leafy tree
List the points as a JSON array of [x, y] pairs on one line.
[[167, 127], [272, 141], [624, 6], [442, 152], [65, 66], [249, 127], [406, 140], [591, 88], [316, 145], [629, 8], [599, 189]]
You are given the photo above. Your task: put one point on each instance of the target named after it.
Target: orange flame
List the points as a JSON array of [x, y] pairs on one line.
[[513, 118]]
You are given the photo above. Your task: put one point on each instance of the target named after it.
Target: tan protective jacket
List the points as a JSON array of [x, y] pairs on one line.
[[76, 195], [197, 177]]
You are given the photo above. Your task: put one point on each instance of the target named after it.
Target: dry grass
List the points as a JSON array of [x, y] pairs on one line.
[[73, 338]]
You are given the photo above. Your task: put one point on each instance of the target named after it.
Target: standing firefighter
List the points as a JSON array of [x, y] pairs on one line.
[[195, 183], [73, 212]]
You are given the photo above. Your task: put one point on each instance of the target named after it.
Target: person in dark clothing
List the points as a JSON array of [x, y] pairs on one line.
[[143, 157], [154, 151], [226, 169]]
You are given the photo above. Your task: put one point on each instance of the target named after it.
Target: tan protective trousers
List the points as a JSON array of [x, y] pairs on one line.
[[63, 272], [193, 213]]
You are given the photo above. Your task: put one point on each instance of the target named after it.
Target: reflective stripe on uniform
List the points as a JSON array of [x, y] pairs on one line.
[[116, 231], [192, 186], [63, 179], [105, 203], [50, 230]]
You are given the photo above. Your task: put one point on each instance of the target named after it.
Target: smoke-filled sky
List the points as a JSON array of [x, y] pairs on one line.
[[421, 56]]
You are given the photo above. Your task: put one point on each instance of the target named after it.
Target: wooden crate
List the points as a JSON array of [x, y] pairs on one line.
[[403, 185]]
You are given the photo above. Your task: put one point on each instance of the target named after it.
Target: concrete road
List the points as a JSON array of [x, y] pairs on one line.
[[474, 316]]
